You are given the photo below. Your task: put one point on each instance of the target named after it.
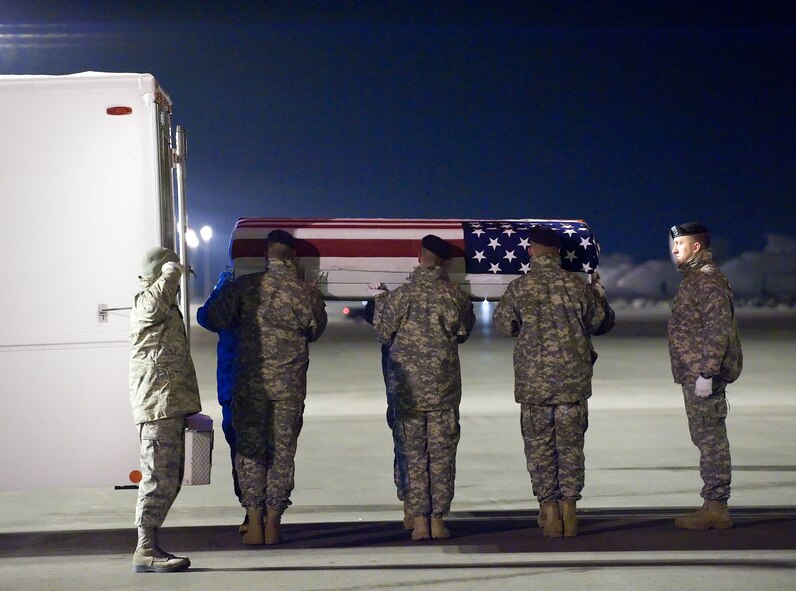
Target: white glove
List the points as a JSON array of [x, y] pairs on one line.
[[376, 289], [703, 387], [171, 268]]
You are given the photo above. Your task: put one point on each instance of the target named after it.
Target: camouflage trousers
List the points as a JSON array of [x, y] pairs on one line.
[[398, 463], [267, 434], [554, 437], [428, 440], [162, 466], [707, 424]]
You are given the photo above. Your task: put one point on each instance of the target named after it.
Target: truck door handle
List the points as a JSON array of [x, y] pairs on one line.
[[103, 309]]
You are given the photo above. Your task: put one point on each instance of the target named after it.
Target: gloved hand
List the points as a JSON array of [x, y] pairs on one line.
[[171, 268], [703, 387], [376, 289]]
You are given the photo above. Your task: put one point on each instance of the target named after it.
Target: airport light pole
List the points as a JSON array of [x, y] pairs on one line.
[[206, 232]]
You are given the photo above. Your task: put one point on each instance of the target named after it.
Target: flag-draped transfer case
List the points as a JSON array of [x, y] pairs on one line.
[[349, 253]]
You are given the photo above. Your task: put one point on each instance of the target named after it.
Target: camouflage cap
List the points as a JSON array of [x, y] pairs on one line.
[[154, 260]]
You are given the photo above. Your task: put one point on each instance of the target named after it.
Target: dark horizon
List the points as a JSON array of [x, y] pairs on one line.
[[633, 121]]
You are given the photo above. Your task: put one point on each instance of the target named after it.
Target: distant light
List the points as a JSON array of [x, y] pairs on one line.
[[191, 239], [206, 233], [346, 310], [364, 302], [119, 110]]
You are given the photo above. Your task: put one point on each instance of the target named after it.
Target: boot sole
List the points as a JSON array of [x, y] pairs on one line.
[[699, 528], [140, 568]]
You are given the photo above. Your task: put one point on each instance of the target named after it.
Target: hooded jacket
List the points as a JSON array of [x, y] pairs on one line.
[[162, 377]]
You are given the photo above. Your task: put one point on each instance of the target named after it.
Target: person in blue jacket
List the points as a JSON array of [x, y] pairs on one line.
[[225, 352]]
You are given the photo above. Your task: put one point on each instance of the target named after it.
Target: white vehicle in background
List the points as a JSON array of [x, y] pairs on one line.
[[88, 171]]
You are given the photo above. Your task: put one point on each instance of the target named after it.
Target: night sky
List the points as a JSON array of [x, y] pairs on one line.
[[632, 119]]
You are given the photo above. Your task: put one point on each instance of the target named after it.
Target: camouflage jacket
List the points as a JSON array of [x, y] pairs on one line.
[[553, 312], [423, 322], [162, 377], [274, 316], [703, 332]]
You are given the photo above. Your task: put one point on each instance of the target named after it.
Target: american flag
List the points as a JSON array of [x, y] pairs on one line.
[[501, 247], [486, 246], [351, 252]]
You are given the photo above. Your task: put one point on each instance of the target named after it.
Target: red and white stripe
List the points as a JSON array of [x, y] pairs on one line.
[[351, 244]]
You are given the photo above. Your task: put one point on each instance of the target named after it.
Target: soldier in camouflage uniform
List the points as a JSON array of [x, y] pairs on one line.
[[225, 356], [274, 316], [377, 289], [423, 323], [553, 313], [163, 390], [706, 355]]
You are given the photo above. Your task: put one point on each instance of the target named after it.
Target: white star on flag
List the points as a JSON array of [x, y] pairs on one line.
[[502, 247], [586, 267]]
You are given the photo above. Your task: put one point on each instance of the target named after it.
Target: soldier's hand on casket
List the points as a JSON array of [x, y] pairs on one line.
[[171, 268], [376, 289], [703, 387]]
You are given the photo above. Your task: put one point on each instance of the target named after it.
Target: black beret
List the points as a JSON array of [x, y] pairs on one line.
[[281, 237], [688, 229], [436, 245], [544, 236]]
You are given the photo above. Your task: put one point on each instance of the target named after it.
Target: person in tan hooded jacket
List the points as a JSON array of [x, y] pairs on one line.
[[163, 391]]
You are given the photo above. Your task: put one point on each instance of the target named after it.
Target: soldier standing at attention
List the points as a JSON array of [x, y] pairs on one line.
[[706, 355], [423, 322], [163, 390], [274, 316], [553, 313]]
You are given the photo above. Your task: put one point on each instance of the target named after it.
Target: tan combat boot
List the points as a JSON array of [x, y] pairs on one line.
[[712, 515], [553, 526], [569, 517], [409, 521], [438, 529], [540, 517], [244, 527], [273, 524], [149, 558], [421, 530], [254, 532]]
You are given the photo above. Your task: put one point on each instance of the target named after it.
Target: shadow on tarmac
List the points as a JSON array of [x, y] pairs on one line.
[[498, 532]]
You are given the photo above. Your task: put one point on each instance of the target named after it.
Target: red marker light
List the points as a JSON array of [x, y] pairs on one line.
[[346, 310], [119, 110]]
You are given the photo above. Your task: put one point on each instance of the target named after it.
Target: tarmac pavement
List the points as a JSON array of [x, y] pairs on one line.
[[344, 531]]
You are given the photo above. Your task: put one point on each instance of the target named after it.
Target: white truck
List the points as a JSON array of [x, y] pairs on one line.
[[90, 178]]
